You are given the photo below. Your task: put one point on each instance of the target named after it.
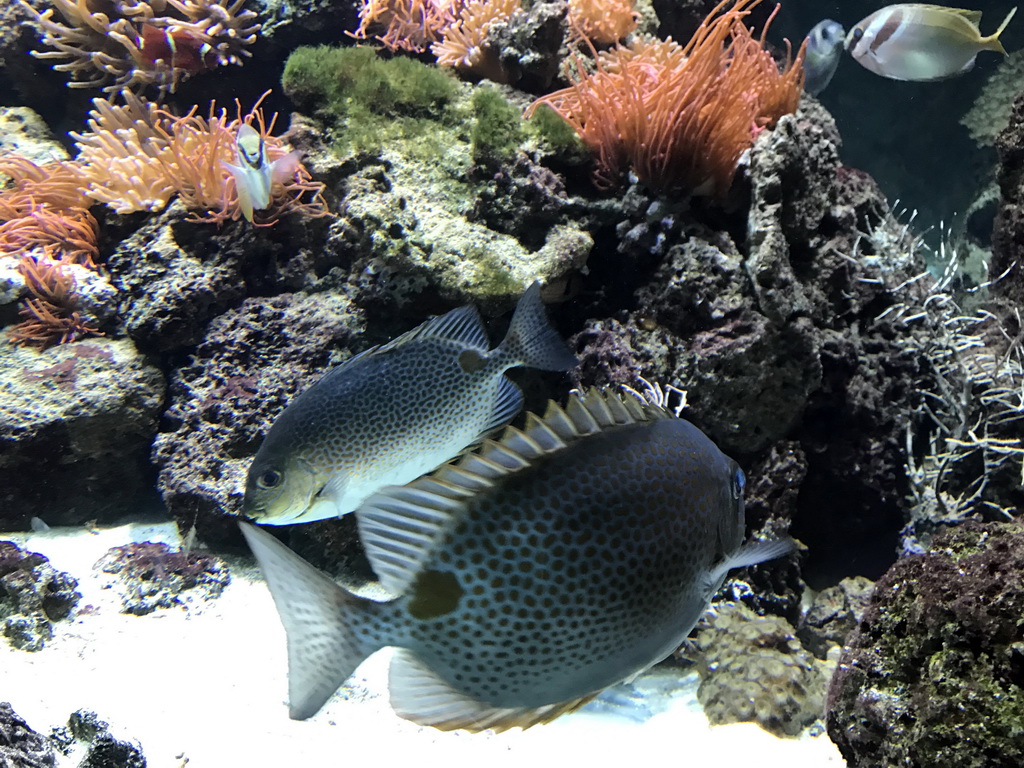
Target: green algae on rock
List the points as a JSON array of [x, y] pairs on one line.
[[422, 151], [934, 675]]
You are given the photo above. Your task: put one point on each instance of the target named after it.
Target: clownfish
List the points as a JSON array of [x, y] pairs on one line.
[[177, 48]]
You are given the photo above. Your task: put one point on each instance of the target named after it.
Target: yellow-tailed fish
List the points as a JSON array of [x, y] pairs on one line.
[[390, 414], [255, 176], [911, 41], [529, 575]]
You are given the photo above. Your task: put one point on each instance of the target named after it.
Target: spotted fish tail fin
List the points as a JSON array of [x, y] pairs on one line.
[[322, 652], [531, 341]]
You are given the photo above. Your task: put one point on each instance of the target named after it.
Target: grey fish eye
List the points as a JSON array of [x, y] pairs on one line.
[[269, 479], [739, 482], [858, 33]]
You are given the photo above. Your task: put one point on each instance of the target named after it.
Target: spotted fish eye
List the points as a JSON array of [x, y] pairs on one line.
[[271, 478], [739, 482]]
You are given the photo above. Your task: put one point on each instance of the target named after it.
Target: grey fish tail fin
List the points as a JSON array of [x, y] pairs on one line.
[[531, 341], [322, 652]]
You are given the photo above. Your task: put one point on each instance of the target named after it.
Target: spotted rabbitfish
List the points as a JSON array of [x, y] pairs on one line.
[[529, 575], [393, 412]]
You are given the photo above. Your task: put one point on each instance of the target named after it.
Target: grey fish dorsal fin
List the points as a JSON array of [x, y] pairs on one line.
[[461, 325], [345, 365], [400, 525], [419, 694]]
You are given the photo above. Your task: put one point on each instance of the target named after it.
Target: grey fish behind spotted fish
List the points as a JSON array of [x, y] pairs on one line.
[[391, 413], [529, 575], [825, 43]]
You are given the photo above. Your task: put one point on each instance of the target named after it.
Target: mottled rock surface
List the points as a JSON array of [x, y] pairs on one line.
[[1008, 233], [33, 594], [76, 423], [151, 575], [934, 675], [20, 746]]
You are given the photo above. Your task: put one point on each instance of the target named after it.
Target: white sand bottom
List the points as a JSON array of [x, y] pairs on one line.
[[206, 687]]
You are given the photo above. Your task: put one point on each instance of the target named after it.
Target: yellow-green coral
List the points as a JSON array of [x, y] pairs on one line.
[[753, 668]]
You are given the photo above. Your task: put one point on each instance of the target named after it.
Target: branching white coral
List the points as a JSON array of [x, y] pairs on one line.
[[970, 411]]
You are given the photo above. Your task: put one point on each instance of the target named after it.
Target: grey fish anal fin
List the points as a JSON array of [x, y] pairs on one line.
[[531, 341], [322, 653], [420, 695], [506, 405]]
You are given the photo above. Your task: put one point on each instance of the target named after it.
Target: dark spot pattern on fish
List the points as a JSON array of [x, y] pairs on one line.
[[435, 594]]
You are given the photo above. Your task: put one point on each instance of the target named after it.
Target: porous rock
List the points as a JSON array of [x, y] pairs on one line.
[[934, 674], [76, 423]]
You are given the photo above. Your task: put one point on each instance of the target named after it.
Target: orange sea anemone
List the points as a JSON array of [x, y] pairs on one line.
[[680, 116], [135, 43], [49, 316], [602, 21], [136, 157]]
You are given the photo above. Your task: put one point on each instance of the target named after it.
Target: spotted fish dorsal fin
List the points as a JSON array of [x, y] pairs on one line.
[[420, 695], [462, 325], [399, 525]]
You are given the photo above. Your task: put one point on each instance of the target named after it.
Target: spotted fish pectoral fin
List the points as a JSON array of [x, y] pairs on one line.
[[751, 553], [322, 653], [531, 341], [420, 695]]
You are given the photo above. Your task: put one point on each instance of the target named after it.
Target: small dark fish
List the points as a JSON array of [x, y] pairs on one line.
[[394, 412], [529, 576]]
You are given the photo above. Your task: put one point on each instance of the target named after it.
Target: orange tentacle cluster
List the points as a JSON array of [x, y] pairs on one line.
[[679, 116]]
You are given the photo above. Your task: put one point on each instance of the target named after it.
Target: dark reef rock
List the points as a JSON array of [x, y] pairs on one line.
[[528, 45], [833, 615], [1008, 233], [103, 749], [175, 276], [76, 416], [20, 746], [252, 362], [151, 575], [33, 594], [934, 675], [764, 311]]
